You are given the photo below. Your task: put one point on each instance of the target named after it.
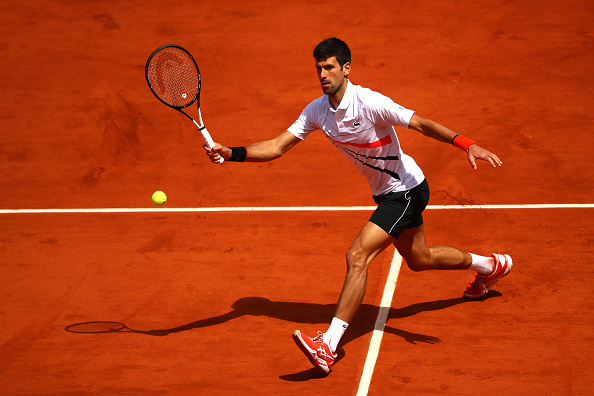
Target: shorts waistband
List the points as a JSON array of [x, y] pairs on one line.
[[395, 194]]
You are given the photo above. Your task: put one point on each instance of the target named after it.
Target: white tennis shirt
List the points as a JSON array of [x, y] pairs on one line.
[[362, 128]]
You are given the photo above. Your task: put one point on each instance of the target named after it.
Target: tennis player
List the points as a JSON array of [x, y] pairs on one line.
[[360, 123]]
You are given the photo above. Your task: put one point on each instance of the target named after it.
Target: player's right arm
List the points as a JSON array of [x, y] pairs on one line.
[[263, 151]]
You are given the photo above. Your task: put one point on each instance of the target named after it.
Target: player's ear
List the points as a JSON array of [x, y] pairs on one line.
[[346, 69]]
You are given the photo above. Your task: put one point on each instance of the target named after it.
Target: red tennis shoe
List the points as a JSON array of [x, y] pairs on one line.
[[317, 351], [483, 283]]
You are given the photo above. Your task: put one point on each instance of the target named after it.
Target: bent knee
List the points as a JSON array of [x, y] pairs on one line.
[[356, 260]]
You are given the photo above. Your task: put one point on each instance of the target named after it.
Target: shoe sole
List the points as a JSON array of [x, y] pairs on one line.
[[510, 264], [307, 351]]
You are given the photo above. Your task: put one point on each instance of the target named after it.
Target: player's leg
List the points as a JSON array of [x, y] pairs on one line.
[[321, 350], [367, 245], [413, 248]]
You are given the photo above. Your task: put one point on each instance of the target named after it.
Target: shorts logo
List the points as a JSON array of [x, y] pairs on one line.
[[356, 124]]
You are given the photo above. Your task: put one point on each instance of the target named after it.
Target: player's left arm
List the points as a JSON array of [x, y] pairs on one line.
[[444, 134]]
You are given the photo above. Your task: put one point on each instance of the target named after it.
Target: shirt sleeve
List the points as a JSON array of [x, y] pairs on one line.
[[307, 121], [384, 111]]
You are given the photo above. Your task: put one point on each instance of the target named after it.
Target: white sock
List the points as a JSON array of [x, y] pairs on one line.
[[335, 332], [481, 264]]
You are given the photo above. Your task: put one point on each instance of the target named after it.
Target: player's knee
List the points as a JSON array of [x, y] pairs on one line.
[[356, 260]]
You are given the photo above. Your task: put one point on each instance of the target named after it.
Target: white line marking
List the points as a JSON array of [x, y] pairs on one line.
[[518, 206], [282, 208], [380, 324]]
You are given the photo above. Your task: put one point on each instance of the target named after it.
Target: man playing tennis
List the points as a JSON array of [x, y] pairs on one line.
[[359, 122]]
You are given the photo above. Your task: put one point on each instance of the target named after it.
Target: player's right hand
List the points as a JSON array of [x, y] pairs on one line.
[[217, 152]]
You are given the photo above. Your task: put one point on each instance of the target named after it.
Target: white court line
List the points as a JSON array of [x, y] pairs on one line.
[[282, 208], [380, 324]]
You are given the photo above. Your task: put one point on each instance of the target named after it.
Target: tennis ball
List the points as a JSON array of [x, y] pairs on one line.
[[159, 198]]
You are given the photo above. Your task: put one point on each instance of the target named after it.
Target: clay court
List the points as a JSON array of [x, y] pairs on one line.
[[210, 286]]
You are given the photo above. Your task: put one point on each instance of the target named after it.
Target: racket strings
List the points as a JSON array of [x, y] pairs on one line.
[[174, 77]]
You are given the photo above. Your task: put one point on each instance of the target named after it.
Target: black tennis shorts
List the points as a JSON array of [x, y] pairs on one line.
[[401, 210]]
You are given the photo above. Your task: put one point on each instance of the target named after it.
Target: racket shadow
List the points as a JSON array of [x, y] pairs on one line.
[[104, 326]]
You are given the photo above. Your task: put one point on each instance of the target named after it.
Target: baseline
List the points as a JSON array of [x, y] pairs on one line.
[[283, 208]]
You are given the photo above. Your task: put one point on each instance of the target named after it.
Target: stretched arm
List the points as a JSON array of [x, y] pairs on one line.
[[266, 150], [443, 134]]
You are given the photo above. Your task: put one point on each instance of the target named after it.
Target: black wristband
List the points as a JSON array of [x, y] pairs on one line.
[[238, 154]]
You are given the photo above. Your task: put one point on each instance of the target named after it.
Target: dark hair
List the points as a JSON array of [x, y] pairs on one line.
[[333, 47]]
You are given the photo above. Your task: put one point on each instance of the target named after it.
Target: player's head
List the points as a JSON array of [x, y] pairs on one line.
[[333, 63], [333, 47]]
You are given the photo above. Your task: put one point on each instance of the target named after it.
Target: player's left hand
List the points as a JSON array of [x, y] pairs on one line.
[[476, 152]]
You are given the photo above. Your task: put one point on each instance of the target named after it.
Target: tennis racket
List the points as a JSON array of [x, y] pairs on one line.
[[174, 78]]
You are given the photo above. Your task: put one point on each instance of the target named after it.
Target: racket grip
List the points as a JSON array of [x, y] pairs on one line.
[[208, 139]]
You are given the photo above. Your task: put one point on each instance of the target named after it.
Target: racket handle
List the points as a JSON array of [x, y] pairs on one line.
[[208, 139]]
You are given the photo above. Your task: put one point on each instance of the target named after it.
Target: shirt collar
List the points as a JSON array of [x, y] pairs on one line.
[[346, 99]]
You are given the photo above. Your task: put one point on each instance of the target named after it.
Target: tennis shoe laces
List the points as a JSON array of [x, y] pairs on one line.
[[316, 349], [483, 283]]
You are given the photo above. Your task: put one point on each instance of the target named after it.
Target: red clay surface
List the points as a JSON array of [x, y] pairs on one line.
[[213, 298]]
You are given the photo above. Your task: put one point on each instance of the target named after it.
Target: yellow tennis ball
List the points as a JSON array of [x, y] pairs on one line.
[[159, 198]]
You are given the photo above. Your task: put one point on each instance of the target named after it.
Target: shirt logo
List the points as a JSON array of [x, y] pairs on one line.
[[356, 124]]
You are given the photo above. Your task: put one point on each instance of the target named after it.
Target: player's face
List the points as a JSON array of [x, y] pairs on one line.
[[332, 76]]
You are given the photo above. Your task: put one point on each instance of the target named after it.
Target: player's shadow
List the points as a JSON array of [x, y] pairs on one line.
[[309, 313]]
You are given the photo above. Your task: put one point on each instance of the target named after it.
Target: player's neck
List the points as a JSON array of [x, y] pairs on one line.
[[337, 97]]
